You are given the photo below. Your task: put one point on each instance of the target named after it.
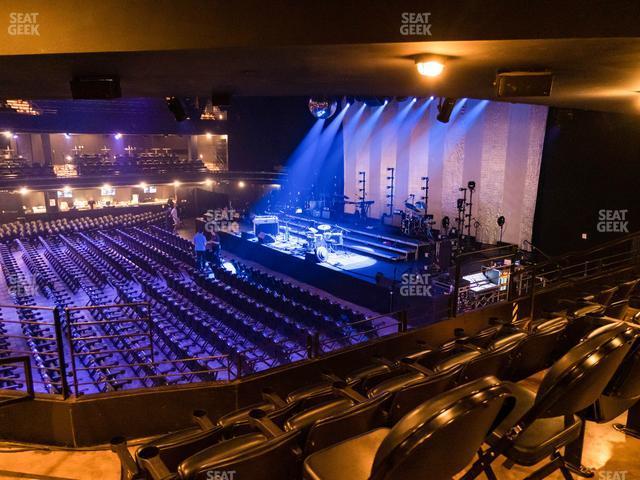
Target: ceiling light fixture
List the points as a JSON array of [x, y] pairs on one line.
[[429, 66]]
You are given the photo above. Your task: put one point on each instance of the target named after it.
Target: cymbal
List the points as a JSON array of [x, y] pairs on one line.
[[324, 227], [313, 230]]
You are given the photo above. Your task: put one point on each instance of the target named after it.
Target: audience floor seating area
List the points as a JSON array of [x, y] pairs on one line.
[[233, 319]]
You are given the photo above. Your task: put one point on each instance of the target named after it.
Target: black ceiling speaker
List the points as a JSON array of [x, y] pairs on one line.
[[177, 108], [445, 107], [99, 87], [524, 84]]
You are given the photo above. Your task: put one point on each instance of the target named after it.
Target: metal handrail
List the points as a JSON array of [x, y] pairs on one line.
[[28, 374]]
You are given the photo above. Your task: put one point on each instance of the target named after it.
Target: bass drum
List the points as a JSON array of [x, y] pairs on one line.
[[322, 253]]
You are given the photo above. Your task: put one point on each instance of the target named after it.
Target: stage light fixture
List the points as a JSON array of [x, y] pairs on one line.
[[209, 136], [241, 184], [66, 188], [7, 134], [23, 191], [67, 136], [445, 107], [142, 185], [429, 66], [117, 136], [208, 182], [431, 97], [322, 107], [176, 183]]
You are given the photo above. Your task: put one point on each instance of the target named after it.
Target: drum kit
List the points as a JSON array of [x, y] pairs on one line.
[[415, 221], [323, 240]]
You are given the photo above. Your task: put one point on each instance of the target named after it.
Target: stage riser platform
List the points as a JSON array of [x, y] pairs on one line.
[[336, 283]]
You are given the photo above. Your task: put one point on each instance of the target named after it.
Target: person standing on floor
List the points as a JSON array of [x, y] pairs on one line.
[[200, 245], [175, 218]]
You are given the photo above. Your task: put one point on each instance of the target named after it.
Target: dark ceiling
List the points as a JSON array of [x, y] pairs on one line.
[[287, 47]]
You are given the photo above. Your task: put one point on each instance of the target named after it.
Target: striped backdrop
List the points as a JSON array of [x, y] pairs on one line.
[[498, 145]]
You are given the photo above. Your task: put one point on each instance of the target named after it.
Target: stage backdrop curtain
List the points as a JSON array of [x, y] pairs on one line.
[[497, 145]]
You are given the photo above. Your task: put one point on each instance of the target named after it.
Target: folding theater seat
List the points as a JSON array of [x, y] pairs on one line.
[[545, 421], [171, 448], [420, 444], [494, 358], [539, 349], [265, 454], [619, 303], [621, 393]]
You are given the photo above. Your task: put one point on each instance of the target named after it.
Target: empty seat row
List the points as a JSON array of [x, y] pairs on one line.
[[344, 432]]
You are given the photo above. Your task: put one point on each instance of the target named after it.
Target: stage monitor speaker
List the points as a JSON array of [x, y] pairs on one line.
[[95, 87], [523, 84], [266, 238]]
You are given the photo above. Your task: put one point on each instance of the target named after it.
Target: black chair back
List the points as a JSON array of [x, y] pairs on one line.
[[414, 394], [175, 447], [538, 349], [258, 459], [576, 380], [496, 359], [441, 436], [358, 419], [623, 391]]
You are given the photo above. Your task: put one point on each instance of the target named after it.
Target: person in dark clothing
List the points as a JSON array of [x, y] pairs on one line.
[[200, 245]]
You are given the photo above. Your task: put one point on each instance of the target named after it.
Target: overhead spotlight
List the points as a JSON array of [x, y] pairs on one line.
[[176, 183], [67, 136], [7, 134], [117, 136], [15, 136], [208, 182], [445, 107], [350, 99], [68, 158], [209, 136], [431, 97], [241, 184], [23, 191], [322, 107], [66, 189], [429, 66], [142, 185]]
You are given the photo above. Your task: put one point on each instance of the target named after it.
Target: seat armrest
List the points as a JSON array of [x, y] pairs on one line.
[[342, 389], [259, 419], [411, 364]]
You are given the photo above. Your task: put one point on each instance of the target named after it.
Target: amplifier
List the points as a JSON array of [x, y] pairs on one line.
[[265, 223]]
